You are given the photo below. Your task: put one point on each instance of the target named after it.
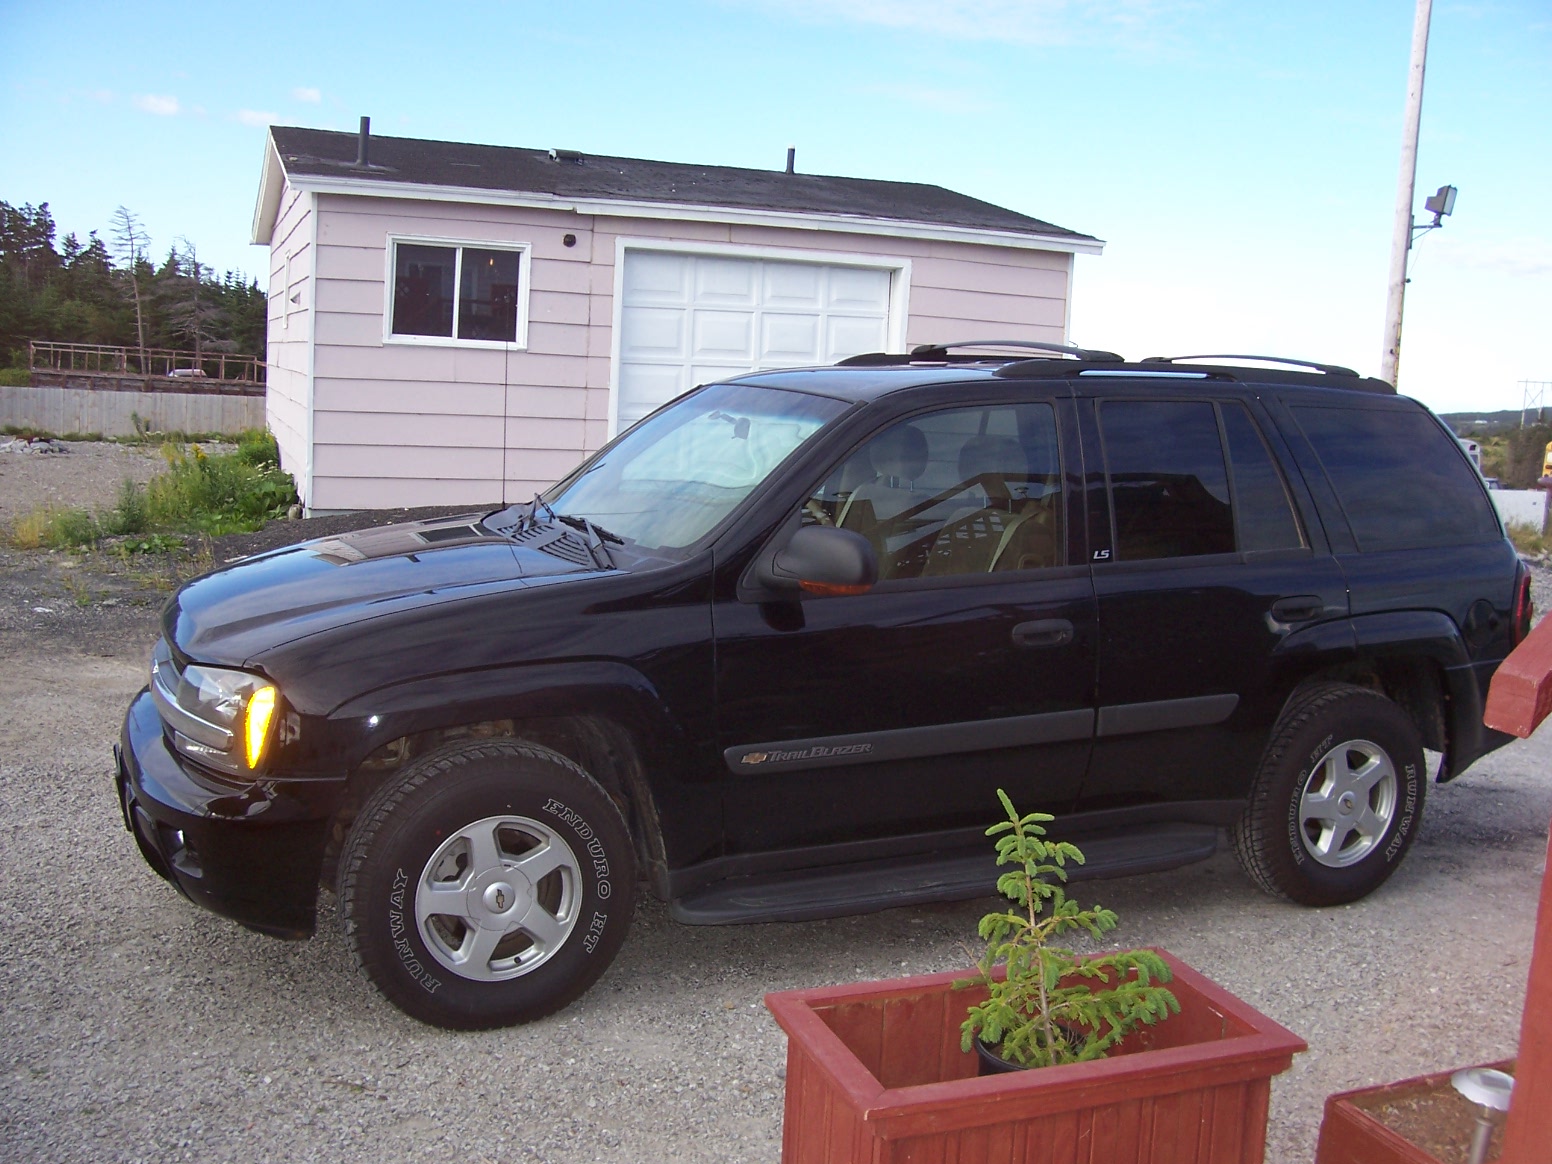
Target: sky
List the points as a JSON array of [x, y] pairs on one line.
[[1239, 159]]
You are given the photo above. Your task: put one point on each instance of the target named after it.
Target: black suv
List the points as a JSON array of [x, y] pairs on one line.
[[774, 649]]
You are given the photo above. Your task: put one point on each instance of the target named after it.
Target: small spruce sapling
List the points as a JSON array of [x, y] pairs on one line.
[[1054, 1007]]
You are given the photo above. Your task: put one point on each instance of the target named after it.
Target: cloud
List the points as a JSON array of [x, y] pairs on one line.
[[1527, 258], [311, 96], [955, 101], [161, 106], [259, 117], [1042, 22]]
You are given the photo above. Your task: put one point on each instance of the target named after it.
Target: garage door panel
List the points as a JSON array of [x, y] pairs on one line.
[[846, 336], [653, 333], [645, 386], [856, 289], [652, 277], [798, 285], [709, 372], [790, 339], [725, 281], [723, 336]]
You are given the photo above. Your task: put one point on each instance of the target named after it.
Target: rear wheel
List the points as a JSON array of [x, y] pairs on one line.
[[1338, 797], [490, 885]]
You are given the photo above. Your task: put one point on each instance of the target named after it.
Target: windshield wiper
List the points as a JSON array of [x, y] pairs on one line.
[[518, 518], [596, 536]]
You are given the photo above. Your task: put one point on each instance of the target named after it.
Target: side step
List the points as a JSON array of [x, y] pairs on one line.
[[868, 886]]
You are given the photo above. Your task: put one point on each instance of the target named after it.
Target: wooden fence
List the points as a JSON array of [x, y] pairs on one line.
[[109, 359]]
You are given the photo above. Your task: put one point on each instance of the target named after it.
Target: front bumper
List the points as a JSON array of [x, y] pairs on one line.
[[252, 853]]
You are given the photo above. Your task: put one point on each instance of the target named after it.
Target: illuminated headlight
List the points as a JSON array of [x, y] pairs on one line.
[[219, 717]]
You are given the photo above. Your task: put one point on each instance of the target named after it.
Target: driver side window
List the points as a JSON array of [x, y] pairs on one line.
[[957, 492]]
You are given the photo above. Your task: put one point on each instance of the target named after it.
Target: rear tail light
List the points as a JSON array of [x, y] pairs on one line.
[[1523, 608]]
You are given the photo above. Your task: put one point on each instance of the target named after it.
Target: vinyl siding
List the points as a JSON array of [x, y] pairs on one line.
[[288, 334], [417, 424]]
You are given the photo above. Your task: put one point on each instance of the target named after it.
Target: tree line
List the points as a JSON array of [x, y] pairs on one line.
[[113, 292]]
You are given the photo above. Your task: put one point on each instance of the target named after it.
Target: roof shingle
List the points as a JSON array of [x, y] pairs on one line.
[[326, 153]]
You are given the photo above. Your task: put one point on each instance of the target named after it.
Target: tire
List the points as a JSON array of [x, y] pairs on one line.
[[489, 885], [1337, 800]]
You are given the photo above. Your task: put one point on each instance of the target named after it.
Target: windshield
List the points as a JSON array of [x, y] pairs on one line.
[[667, 482]]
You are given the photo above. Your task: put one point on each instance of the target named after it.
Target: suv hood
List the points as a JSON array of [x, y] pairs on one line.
[[262, 602]]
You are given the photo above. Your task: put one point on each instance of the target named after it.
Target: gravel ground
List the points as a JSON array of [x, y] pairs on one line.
[[137, 1027], [87, 473]]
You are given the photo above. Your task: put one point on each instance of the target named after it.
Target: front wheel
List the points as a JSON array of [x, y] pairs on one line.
[[489, 885], [1337, 800]]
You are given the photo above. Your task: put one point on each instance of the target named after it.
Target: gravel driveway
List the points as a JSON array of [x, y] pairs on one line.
[[137, 1027]]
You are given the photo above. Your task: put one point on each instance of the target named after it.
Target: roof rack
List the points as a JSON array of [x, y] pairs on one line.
[[1328, 369], [940, 353]]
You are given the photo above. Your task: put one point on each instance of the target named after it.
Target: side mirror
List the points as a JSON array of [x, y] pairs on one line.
[[823, 560]]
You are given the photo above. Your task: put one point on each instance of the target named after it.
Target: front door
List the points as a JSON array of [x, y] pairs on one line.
[[969, 667]]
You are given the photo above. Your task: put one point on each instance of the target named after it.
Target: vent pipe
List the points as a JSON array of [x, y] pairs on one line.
[[361, 142], [792, 158]]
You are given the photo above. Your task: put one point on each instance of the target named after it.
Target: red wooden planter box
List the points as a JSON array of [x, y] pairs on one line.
[[1349, 1134], [875, 1074]]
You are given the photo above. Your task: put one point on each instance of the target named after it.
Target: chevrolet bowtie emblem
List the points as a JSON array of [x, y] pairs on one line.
[[755, 758]]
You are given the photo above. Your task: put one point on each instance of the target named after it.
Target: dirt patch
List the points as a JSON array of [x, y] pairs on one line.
[[87, 475], [1437, 1119]]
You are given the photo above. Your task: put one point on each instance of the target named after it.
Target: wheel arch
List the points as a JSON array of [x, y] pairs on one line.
[[1418, 659], [605, 717]]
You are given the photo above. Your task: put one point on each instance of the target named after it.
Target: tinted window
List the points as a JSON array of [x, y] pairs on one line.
[[1262, 505], [1169, 488], [964, 491], [1402, 481]]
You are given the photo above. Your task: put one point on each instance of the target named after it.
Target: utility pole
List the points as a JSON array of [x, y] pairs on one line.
[[1401, 233]]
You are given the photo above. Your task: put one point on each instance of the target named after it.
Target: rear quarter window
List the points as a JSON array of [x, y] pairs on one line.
[[1402, 481]]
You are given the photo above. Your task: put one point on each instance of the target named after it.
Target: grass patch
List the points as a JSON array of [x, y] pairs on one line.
[[1527, 538], [15, 378], [229, 493]]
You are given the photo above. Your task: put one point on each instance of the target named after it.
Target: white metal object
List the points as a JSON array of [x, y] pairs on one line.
[[1401, 233]]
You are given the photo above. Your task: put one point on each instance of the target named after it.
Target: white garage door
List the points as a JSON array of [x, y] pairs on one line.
[[686, 319]]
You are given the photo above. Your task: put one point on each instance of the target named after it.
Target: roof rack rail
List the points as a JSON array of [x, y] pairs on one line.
[[1328, 369], [932, 351], [939, 353]]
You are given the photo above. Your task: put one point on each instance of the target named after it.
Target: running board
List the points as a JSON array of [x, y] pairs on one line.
[[865, 887]]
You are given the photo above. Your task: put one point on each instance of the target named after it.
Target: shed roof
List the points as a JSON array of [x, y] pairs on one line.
[[405, 167]]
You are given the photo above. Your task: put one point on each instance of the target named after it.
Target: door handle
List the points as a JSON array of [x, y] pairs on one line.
[[1044, 632], [1299, 608]]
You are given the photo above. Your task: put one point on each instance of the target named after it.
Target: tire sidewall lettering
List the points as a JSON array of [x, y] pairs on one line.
[[399, 934], [1406, 815], [593, 846]]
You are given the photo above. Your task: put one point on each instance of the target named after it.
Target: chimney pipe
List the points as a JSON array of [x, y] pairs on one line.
[[792, 157], [366, 133]]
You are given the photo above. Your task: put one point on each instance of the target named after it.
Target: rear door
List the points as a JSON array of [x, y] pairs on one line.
[[1203, 564]]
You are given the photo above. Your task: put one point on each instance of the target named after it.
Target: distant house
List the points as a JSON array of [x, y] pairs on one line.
[[453, 323]]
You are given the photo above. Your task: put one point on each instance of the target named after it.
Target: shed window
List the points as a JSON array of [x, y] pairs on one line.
[[461, 293]]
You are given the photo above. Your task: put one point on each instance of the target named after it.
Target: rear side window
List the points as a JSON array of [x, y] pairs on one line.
[[1266, 517], [1169, 486], [1402, 481]]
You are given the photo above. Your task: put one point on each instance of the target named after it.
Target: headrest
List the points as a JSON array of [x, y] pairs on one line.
[[998, 458], [900, 452]]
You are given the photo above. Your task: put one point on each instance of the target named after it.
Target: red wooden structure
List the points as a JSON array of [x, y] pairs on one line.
[[1518, 700], [875, 1074]]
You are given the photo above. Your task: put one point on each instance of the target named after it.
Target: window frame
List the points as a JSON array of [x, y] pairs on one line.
[[524, 252]]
